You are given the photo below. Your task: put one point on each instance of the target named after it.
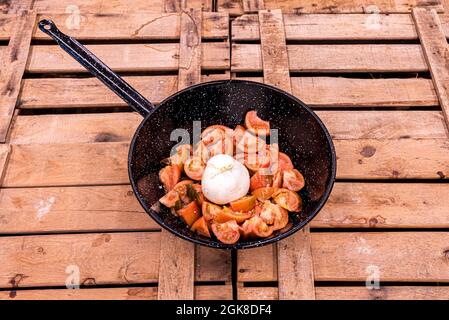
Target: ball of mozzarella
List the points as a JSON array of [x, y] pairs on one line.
[[224, 179]]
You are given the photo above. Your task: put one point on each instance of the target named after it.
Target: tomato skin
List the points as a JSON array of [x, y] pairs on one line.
[[238, 134], [200, 226], [288, 199], [170, 176], [263, 193], [277, 180], [244, 204], [293, 180], [256, 125], [285, 163], [197, 187], [183, 152], [181, 189], [274, 215], [259, 180], [217, 139], [189, 213], [169, 200], [194, 168], [227, 232], [227, 215], [255, 227], [210, 210]]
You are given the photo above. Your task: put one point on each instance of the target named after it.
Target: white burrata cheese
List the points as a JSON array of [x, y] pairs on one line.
[[224, 179]]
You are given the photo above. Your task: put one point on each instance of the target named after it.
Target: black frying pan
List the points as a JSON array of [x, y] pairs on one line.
[[302, 136]]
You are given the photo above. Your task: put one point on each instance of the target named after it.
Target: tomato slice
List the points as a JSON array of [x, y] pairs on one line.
[[250, 144], [170, 176], [169, 200], [264, 193], [199, 197], [277, 180], [181, 189], [255, 227], [256, 125], [274, 215], [210, 210], [194, 168], [259, 180], [244, 204], [238, 134], [285, 163], [190, 213], [200, 226], [227, 215], [218, 139], [288, 199], [227, 232], [293, 180]]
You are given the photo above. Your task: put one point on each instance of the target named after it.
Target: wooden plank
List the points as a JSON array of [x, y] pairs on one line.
[[80, 93], [137, 25], [391, 159], [178, 5], [4, 156], [116, 258], [316, 91], [114, 6], [13, 7], [399, 256], [336, 58], [126, 57], [119, 127], [274, 50], [334, 6], [12, 67], [221, 292], [233, 7], [436, 50], [253, 5], [114, 208], [355, 293]]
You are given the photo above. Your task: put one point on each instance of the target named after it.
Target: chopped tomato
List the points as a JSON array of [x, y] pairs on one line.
[[259, 180], [250, 144], [277, 180], [215, 133], [227, 215], [190, 213], [170, 199], [275, 215], [285, 163], [227, 232], [210, 210], [194, 168], [244, 204], [181, 189], [238, 134], [264, 193], [255, 227], [218, 139], [288, 199], [170, 176], [198, 193], [183, 152], [293, 180], [200, 226], [256, 125]]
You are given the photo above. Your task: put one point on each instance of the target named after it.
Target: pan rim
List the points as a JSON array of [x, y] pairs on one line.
[[239, 245]]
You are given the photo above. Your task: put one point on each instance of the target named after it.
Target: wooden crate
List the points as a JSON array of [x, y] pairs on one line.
[[383, 96]]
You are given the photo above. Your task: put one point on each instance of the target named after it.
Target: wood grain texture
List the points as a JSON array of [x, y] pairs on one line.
[[126, 57], [333, 6], [275, 62], [12, 68], [355, 293], [436, 50], [117, 6], [221, 292], [336, 58], [14, 7], [4, 156], [316, 91], [120, 127], [349, 256], [253, 5]]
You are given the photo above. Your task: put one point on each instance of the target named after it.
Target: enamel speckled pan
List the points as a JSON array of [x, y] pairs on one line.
[[301, 134]]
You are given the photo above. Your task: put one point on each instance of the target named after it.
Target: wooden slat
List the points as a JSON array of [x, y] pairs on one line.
[[222, 292], [400, 256], [4, 156], [12, 67], [436, 50], [176, 270], [82, 93], [116, 6], [356, 293], [295, 266], [113, 208], [119, 127], [253, 5], [311, 27], [14, 7], [316, 91], [126, 57], [333, 6], [336, 58]]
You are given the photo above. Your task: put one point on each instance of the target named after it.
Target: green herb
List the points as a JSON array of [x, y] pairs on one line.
[[192, 193]]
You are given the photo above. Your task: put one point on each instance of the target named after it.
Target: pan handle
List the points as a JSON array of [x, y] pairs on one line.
[[97, 68]]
